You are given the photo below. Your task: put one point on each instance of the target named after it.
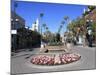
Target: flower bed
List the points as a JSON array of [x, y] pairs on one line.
[[42, 60], [55, 60], [68, 58]]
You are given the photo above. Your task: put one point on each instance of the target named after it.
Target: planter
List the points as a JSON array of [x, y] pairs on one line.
[[55, 60]]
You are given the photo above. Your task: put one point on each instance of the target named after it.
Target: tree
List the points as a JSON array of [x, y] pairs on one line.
[[78, 28], [66, 18], [44, 26], [62, 24], [47, 29], [72, 26], [41, 16], [27, 38], [58, 37], [94, 31], [91, 8]]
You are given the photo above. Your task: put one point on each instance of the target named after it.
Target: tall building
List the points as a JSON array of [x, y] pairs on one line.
[[35, 26], [17, 21]]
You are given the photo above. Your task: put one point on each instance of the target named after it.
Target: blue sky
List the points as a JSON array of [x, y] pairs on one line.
[[53, 13]]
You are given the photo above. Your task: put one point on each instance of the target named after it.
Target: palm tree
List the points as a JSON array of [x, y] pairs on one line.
[[62, 24], [44, 26], [47, 28], [41, 16], [66, 18]]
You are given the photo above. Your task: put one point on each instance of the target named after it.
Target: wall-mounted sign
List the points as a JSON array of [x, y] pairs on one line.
[[13, 31]]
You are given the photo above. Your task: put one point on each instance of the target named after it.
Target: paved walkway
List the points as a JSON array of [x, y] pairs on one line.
[[21, 63]]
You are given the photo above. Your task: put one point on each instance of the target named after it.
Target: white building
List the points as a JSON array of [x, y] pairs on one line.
[[35, 26]]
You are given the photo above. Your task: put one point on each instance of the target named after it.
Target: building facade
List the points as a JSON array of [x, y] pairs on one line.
[[17, 21], [35, 26]]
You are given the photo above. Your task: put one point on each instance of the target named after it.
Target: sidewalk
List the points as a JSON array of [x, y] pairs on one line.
[[86, 47], [22, 65], [26, 52]]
